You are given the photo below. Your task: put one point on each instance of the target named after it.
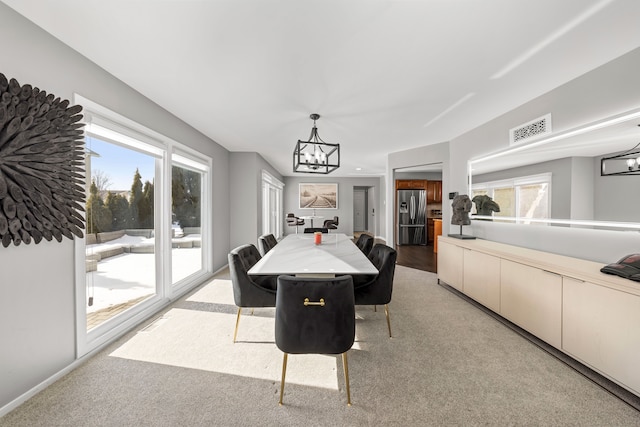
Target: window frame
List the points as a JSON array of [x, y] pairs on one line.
[[515, 183], [98, 118], [190, 159]]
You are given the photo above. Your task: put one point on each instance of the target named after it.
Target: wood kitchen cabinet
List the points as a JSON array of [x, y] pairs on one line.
[[411, 184], [434, 191]]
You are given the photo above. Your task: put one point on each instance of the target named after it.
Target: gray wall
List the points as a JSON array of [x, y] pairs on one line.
[[603, 92], [37, 302], [582, 188], [623, 204], [345, 201], [245, 182]]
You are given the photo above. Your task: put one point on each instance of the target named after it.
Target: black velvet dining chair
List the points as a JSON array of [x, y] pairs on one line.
[[377, 290], [310, 230], [249, 291], [267, 242], [365, 243], [315, 316]]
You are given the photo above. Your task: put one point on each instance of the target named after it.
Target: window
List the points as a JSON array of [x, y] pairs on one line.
[[519, 198], [188, 203], [147, 212], [120, 229]]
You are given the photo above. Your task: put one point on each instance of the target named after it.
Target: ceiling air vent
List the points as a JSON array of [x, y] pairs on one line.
[[531, 130]]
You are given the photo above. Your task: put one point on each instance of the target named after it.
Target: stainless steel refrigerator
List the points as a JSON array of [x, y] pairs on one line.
[[412, 217]]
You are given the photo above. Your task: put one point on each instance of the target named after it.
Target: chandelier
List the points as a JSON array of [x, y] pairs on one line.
[[627, 163], [315, 155]]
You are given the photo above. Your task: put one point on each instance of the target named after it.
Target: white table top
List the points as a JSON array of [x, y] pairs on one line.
[[297, 254], [311, 218]]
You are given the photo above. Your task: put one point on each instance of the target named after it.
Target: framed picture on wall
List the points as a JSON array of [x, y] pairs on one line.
[[318, 196]]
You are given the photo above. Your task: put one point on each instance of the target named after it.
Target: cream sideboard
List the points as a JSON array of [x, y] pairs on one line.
[[567, 302]]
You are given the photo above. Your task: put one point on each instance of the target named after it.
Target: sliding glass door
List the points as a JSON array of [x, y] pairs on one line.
[[120, 252], [147, 215], [188, 208]]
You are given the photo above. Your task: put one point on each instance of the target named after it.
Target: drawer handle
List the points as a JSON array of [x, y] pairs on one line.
[[320, 303]]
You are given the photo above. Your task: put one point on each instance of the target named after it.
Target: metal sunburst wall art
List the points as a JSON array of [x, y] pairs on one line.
[[41, 165]]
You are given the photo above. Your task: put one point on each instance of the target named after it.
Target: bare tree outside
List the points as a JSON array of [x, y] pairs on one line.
[[101, 180]]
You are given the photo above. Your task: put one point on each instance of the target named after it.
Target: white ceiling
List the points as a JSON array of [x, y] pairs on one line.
[[385, 75]]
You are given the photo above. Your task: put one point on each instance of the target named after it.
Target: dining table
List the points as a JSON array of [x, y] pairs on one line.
[[311, 218], [299, 255]]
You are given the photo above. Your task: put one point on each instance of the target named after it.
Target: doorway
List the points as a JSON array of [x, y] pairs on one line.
[[364, 210], [427, 178]]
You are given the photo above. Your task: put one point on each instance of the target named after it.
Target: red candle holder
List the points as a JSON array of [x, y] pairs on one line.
[[317, 237]]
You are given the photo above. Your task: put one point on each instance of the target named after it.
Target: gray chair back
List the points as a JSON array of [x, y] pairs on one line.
[[294, 221], [315, 316], [267, 242], [378, 290], [365, 243], [248, 291], [312, 328], [331, 224]]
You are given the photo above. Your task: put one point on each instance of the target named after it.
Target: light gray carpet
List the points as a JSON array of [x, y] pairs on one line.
[[449, 363]]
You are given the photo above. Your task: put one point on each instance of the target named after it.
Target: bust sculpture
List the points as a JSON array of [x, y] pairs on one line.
[[485, 205], [461, 206]]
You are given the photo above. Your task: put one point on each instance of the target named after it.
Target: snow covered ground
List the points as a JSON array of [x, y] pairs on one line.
[[130, 276]]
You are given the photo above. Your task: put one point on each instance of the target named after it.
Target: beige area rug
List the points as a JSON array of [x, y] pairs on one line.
[[449, 363]]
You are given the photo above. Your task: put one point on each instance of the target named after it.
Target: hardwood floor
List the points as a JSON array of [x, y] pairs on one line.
[[413, 256], [418, 257]]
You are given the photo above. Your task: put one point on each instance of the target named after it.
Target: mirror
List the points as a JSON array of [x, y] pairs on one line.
[[556, 180]]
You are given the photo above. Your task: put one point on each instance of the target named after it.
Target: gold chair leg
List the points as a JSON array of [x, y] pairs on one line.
[[284, 373], [386, 311], [235, 332], [345, 365]]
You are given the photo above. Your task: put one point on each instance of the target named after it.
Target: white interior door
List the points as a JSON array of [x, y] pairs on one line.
[[371, 213], [359, 210]]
